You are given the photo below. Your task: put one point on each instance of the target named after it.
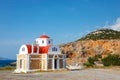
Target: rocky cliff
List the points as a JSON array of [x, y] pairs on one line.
[[78, 51]]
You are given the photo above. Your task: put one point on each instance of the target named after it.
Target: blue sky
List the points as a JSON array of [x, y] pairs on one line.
[[22, 21]]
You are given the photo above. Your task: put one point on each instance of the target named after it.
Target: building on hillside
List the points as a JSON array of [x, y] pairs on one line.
[[42, 55]]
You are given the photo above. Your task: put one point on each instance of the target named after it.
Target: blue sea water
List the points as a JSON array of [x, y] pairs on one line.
[[5, 62]]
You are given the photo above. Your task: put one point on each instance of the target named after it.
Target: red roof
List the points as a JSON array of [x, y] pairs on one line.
[[42, 49], [44, 36], [29, 48]]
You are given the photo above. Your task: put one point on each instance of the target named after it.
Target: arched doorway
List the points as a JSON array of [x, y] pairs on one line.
[[55, 62]]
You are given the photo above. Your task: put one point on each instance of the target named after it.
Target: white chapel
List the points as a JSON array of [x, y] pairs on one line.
[[41, 55]]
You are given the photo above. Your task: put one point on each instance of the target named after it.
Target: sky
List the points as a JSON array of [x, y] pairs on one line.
[[22, 21]]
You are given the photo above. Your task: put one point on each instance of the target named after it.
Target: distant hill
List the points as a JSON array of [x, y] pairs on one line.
[[102, 34], [2, 58]]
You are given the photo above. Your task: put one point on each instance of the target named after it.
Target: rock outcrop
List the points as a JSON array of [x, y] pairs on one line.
[[78, 52]]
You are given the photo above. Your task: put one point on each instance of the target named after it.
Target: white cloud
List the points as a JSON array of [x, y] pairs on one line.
[[115, 26]]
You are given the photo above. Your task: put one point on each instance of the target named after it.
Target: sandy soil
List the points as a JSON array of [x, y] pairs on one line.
[[87, 74]]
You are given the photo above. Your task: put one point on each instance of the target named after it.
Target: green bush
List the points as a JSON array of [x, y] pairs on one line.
[[111, 60], [91, 60], [88, 64]]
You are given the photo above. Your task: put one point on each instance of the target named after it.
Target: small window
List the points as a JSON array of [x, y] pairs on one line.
[[23, 49], [54, 49], [49, 42], [42, 41]]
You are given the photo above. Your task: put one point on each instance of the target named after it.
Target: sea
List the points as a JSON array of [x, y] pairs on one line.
[[6, 62]]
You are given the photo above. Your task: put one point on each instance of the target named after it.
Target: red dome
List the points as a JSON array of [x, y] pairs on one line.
[[44, 36]]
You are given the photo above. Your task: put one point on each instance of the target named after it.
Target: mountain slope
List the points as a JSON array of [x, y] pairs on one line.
[[104, 34], [103, 41]]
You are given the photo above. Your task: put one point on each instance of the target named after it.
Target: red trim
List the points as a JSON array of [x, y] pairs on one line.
[[29, 48], [35, 49], [42, 49]]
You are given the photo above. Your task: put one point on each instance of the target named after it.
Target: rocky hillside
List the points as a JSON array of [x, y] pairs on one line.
[[93, 43], [102, 34]]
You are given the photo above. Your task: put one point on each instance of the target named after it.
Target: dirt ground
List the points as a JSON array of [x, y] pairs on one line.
[[86, 74]]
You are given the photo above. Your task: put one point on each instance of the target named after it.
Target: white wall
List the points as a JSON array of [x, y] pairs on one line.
[[23, 51], [46, 41], [53, 51]]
